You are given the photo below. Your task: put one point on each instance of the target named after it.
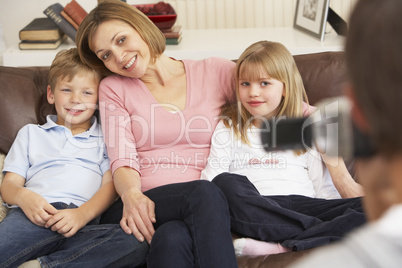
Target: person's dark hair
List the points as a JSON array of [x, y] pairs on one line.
[[117, 10], [374, 60]]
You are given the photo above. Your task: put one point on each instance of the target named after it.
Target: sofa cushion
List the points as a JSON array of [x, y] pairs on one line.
[[323, 74], [23, 101]]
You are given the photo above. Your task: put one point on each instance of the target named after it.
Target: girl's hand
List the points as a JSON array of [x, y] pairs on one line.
[[35, 207], [67, 222], [138, 215]]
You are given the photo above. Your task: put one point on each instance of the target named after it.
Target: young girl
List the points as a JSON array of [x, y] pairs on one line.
[[273, 196]]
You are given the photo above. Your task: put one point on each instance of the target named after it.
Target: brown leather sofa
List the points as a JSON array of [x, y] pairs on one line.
[[23, 100]]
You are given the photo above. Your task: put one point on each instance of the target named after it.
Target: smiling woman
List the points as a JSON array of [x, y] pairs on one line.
[[120, 49], [137, 20], [158, 115]]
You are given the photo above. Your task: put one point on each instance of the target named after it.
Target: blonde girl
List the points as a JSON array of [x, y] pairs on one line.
[[271, 61], [282, 200]]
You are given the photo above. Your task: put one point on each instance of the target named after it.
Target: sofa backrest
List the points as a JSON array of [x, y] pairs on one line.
[[324, 74], [22, 101], [23, 91]]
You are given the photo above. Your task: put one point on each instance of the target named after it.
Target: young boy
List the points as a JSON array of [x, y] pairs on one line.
[[57, 182]]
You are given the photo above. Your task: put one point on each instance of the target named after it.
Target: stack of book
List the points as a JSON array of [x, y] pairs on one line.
[[41, 33], [173, 35], [74, 13], [67, 18]]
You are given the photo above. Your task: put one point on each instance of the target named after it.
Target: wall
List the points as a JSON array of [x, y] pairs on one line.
[[192, 14], [206, 14]]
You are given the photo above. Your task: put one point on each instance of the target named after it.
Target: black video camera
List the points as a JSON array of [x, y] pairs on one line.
[[329, 130]]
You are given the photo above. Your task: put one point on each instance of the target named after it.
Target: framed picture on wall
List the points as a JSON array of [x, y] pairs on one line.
[[311, 17]]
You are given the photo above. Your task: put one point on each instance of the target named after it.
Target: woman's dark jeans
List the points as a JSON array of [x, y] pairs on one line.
[[192, 226]]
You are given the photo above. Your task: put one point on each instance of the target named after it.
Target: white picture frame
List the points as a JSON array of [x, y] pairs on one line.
[[311, 17]]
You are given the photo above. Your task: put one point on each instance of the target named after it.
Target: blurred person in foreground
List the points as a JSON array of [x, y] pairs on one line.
[[374, 59]]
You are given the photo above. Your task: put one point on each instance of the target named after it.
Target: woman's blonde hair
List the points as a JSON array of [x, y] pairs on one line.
[[275, 60], [117, 10]]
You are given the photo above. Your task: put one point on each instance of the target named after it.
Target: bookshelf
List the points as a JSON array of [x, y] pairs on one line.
[[203, 43]]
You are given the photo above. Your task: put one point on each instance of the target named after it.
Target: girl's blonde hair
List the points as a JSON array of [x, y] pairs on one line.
[[117, 10], [275, 60]]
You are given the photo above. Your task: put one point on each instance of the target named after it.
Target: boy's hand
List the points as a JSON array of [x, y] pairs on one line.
[[67, 222], [35, 207]]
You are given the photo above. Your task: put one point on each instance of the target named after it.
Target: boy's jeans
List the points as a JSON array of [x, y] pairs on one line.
[[93, 246]]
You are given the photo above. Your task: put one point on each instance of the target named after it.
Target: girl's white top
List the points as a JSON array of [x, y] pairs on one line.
[[272, 173]]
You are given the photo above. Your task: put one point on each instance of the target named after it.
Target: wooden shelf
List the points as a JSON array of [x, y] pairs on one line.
[[199, 44]]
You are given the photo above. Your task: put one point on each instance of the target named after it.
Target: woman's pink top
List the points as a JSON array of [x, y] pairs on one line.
[[163, 146]]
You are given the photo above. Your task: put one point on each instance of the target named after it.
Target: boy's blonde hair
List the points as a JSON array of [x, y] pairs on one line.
[[275, 60], [67, 63], [117, 10]]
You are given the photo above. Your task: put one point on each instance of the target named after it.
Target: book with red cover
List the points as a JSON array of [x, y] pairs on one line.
[[75, 11], [69, 19]]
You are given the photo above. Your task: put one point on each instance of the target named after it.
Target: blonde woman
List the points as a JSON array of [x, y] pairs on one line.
[[158, 116]]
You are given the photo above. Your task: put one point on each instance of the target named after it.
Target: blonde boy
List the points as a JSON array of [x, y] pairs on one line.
[[57, 182]]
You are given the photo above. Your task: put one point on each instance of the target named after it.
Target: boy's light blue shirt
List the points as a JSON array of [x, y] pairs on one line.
[[57, 165]]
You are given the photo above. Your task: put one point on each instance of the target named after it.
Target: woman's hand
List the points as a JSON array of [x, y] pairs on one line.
[[343, 181], [138, 209], [138, 215], [67, 221]]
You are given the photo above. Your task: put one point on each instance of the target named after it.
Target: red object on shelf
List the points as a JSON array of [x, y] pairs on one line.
[[161, 14]]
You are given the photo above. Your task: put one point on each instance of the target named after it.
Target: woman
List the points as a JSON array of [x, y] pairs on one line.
[[158, 115]]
